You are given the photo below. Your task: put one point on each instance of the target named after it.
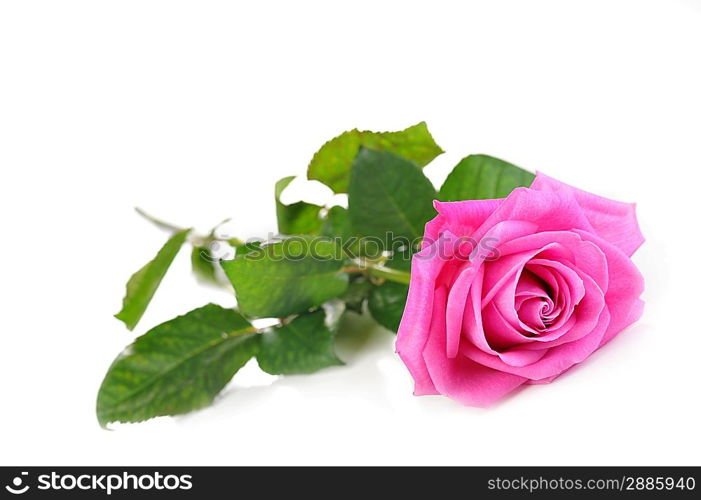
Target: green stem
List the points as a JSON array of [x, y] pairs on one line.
[[389, 274], [158, 222], [196, 239], [235, 242], [380, 271]]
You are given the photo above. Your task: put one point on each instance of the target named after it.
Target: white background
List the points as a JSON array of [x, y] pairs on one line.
[[192, 110]]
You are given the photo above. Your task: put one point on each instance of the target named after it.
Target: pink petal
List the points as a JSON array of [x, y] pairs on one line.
[[461, 218], [500, 333], [556, 359], [549, 211], [584, 320], [530, 287], [612, 220], [414, 327], [572, 289], [460, 378], [457, 299], [585, 255], [473, 329], [530, 312], [459, 288], [501, 279], [634, 316], [625, 286]]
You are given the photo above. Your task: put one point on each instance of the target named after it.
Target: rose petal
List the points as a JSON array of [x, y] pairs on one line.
[[614, 221], [504, 231], [456, 305], [556, 359], [460, 378], [529, 286], [625, 286], [634, 316], [583, 321], [502, 277], [530, 312], [413, 330], [500, 334], [473, 331], [461, 218], [585, 255], [572, 289], [550, 211]]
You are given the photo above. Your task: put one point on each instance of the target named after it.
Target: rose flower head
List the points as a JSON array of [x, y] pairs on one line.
[[516, 291]]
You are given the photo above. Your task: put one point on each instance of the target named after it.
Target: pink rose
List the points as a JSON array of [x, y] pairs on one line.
[[548, 281]]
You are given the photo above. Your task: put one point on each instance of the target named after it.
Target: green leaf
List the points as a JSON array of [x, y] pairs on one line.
[[297, 218], [400, 260], [482, 177], [202, 265], [389, 194], [304, 345], [287, 277], [386, 304], [176, 367], [144, 283], [332, 163], [252, 247], [358, 291], [337, 224]]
